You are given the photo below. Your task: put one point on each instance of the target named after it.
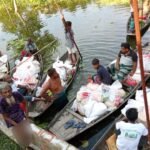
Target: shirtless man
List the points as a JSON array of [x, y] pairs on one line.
[[54, 86]]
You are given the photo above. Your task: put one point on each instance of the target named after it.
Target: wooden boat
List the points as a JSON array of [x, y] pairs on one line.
[[102, 142], [33, 109], [56, 126], [108, 140], [41, 139], [143, 30]]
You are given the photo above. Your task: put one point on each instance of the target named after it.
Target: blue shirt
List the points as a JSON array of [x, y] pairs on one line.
[[104, 75]]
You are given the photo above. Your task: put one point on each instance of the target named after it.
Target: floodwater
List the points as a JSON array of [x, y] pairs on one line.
[[99, 31]]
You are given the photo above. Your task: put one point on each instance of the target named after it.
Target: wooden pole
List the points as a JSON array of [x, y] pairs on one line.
[[60, 10], [138, 42]]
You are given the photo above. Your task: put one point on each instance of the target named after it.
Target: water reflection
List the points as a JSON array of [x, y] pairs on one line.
[[99, 30]]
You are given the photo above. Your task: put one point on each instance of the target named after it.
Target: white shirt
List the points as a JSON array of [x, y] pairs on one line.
[[130, 135], [69, 42]]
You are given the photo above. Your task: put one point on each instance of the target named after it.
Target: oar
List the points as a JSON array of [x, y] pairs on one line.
[[32, 55], [60, 10]]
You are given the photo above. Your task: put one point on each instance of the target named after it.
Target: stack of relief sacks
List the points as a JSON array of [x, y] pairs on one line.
[[138, 103], [26, 73], [146, 64], [93, 100]]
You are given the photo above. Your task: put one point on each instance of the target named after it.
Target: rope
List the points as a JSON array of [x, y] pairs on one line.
[[32, 55]]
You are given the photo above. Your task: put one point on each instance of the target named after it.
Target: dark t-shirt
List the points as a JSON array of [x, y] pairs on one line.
[[13, 111], [132, 54], [104, 75]]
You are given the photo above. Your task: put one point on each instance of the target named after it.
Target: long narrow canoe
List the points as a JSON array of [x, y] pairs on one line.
[[33, 110], [41, 139], [143, 30], [102, 143], [56, 126]]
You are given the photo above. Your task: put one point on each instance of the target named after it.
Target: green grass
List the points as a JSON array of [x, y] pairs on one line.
[[7, 144]]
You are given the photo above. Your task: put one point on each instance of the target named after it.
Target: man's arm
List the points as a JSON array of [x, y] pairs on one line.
[[24, 86], [135, 60], [9, 120], [45, 89], [133, 68], [117, 63], [63, 20]]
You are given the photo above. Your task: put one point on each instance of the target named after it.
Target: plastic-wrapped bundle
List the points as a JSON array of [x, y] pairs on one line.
[[27, 72], [3, 66], [93, 100], [63, 69]]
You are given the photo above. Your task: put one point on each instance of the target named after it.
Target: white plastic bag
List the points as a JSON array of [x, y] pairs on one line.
[[132, 104], [98, 109], [116, 85]]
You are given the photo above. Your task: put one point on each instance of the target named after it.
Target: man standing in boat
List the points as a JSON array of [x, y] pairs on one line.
[[13, 114], [53, 90], [70, 44], [126, 63], [102, 75]]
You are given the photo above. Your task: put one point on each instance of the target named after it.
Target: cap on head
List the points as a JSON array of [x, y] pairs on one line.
[[95, 61], [132, 114], [125, 45]]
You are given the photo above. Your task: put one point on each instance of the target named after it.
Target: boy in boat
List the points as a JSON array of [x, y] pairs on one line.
[[14, 115], [132, 24], [70, 44], [130, 132], [126, 63], [102, 74], [54, 86], [30, 46]]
